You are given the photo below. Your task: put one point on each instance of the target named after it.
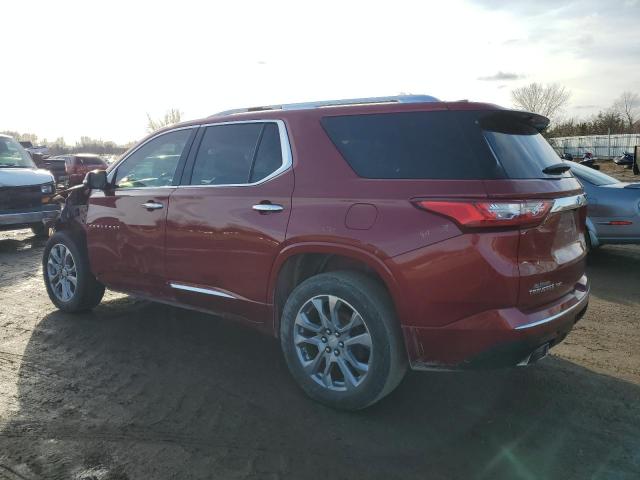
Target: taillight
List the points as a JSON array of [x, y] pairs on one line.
[[480, 214]]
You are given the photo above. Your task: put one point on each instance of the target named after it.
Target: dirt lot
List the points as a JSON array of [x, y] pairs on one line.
[[621, 173], [142, 391]]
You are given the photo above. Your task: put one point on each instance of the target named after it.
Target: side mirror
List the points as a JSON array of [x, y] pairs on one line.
[[96, 180]]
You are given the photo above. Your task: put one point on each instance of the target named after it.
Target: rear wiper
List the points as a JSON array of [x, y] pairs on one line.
[[556, 169], [8, 165]]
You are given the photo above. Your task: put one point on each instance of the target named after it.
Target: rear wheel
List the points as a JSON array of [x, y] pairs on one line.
[[341, 340], [70, 284]]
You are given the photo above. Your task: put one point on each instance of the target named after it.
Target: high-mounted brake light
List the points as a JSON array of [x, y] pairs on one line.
[[479, 214]]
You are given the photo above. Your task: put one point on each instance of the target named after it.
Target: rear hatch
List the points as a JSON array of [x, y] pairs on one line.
[[551, 252], [487, 174]]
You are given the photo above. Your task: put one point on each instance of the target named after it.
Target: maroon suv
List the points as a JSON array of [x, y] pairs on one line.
[[77, 165], [367, 235]]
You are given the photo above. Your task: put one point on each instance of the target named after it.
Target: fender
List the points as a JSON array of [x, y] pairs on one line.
[[74, 210], [374, 262]]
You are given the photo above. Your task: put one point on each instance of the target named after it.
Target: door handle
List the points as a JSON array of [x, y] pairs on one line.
[[150, 205], [268, 207]]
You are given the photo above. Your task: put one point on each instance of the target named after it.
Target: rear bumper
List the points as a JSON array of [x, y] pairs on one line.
[[496, 338], [18, 218]]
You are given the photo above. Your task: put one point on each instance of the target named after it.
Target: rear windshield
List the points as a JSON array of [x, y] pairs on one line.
[[442, 145], [91, 160], [519, 147]]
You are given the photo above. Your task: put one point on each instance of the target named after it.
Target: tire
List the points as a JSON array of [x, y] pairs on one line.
[[40, 230], [305, 345], [69, 258]]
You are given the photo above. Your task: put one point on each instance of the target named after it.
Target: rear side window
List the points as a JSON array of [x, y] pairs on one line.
[[269, 155], [237, 154], [226, 154], [411, 145]]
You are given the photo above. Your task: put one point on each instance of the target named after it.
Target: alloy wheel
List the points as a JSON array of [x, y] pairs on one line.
[[333, 343], [62, 273]]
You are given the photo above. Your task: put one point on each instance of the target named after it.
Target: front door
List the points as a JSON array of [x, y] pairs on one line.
[[227, 223], [126, 223]]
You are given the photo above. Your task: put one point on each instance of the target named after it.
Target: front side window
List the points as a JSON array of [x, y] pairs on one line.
[[237, 154], [154, 164], [12, 154]]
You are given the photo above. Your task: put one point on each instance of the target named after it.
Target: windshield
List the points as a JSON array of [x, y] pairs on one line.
[[590, 175], [12, 154]]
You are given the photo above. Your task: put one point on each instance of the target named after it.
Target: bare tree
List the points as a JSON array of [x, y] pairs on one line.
[[172, 116], [548, 100], [628, 105]]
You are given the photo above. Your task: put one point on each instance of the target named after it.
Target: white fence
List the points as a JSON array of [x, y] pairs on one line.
[[602, 146]]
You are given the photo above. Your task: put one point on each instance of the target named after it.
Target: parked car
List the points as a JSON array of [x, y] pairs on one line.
[[25, 191], [613, 214], [78, 164], [56, 165], [367, 234], [37, 153], [625, 159], [70, 170]]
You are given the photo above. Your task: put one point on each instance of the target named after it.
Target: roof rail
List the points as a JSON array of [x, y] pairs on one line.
[[333, 103]]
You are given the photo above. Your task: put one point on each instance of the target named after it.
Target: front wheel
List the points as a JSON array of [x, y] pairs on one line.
[[70, 284], [342, 341]]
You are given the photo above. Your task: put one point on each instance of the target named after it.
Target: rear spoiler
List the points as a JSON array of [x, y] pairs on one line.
[[514, 121]]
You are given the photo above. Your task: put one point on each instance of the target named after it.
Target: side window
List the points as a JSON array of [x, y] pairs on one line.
[[409, 145], [155, 163], [226, 154], [237, 154], [269, 155]]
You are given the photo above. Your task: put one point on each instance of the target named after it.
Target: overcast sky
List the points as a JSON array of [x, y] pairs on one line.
[[83, 68]]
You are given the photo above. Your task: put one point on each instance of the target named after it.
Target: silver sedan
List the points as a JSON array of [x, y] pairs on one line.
[[613, 214]]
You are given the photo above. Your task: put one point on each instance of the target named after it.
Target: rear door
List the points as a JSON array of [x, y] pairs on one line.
[[228, 220], [126, 223]]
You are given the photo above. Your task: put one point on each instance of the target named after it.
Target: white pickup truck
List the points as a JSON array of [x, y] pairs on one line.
[[26, 192]]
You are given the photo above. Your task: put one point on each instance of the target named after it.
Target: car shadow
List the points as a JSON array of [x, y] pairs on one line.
[[614, 271], [141, 390]]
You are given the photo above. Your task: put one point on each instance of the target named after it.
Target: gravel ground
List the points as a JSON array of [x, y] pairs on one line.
[[137, 390]]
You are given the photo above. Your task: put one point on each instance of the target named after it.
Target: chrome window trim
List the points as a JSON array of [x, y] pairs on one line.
[[285, 147], [206, 291], [116, 165], [569, 203]]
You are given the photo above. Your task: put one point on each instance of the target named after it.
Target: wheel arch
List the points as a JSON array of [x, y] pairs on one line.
[[297, 262]]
